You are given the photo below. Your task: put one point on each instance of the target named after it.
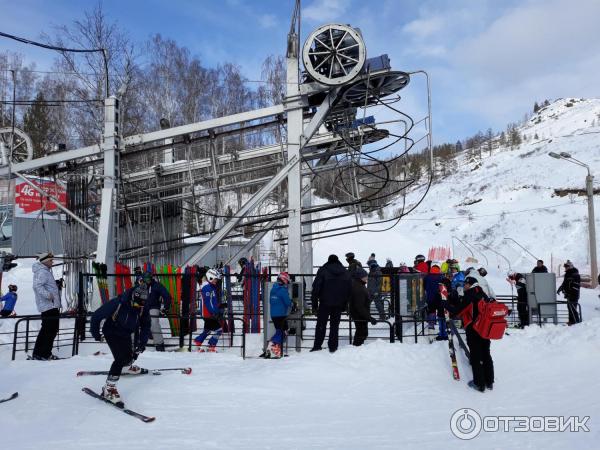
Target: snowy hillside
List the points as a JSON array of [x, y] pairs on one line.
[[509, 194]]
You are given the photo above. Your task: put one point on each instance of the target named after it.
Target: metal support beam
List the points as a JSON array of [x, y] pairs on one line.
[[254, 201], [203, 126], [252, 242], [108, 238]]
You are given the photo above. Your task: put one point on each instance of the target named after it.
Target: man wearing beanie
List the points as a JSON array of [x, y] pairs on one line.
[[47, 299], [330, 294]]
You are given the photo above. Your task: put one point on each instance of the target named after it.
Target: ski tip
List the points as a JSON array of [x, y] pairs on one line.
[[80, 373], [187, 371], [148, 419]]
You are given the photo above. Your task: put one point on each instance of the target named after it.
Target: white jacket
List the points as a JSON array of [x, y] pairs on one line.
[[482, 283], [44, 288]]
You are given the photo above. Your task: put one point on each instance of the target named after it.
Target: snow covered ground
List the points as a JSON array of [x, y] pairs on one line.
[[379, 396]]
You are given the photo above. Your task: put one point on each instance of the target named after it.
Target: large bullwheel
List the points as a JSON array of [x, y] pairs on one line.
[[334, 54], [17, 144]]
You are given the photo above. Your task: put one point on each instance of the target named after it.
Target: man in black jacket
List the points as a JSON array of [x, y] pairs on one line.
[[522, 306], [359, 306], [540, 267], [330, 295], [570, 289]]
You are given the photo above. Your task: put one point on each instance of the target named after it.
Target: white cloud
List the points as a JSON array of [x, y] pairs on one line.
[[325, 10], [422, 28], [267, 21]]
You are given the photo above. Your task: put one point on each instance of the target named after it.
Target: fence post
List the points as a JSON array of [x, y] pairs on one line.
[[27, 335]]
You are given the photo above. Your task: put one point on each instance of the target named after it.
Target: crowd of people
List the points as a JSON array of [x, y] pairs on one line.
[[130, 319]]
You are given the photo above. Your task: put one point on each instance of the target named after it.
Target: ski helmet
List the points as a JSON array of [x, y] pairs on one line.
[[471, 280], [283, 277], [419, 258], [140, 294], [12, 287], [482, 271], [349, 255], [212, 275], [243, 261], [147, 277]]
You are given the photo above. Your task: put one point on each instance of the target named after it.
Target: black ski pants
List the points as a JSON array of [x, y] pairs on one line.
[[523, 310], [48, 331], [573, 313], [361, 333], [333, 314], [122, 349], [481, 359]]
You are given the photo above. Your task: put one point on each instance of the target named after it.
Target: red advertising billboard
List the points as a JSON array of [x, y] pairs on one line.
[[30, 203]]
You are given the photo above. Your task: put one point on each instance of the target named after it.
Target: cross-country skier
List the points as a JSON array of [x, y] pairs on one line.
[[212, 312], [280, 303], [9, 300], [570, 289], [122, 316], [479, 348], [158, 303]]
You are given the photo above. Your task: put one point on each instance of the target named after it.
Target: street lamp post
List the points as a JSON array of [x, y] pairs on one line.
[[589, 187]]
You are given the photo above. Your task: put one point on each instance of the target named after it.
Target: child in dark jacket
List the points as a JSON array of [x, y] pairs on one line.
[[9, 300], [122, 316], [279, 302]]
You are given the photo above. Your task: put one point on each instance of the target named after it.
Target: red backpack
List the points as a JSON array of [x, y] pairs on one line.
[[491, 320]]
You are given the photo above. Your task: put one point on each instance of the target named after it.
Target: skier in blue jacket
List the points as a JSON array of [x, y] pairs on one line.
[[9, 300], [122, 317], [212, 312], [280, 302]]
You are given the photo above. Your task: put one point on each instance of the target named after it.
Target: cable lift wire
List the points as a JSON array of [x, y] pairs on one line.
[[68, 50]]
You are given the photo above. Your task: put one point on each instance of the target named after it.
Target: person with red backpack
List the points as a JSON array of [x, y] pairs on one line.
[[483, 320]]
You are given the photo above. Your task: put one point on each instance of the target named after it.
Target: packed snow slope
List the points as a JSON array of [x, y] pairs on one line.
[[379, 396], [509, 194]]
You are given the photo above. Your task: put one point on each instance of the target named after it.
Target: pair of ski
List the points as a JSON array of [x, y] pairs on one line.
[[450, 329], [183, 370], [121, 406]]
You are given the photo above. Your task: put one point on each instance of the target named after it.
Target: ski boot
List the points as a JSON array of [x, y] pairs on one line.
[[135, 370], [441, 338], [160, 347], [276, 351], [110, 392], [490, 387], [212, 349], [199, 348]]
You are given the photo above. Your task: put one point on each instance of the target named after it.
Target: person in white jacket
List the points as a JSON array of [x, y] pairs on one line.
[[47, 299], [479, 275]]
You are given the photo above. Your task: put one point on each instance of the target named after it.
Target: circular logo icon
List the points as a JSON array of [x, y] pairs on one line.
[[465, 424]]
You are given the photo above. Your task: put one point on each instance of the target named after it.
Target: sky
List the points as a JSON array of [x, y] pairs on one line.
[[488, 60]]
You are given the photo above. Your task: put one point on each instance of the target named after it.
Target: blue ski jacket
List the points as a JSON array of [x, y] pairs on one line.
[[279, 300], [210, 300], [432, 287], [9, 299], [458, 280], [121, 318], [156, 291]]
